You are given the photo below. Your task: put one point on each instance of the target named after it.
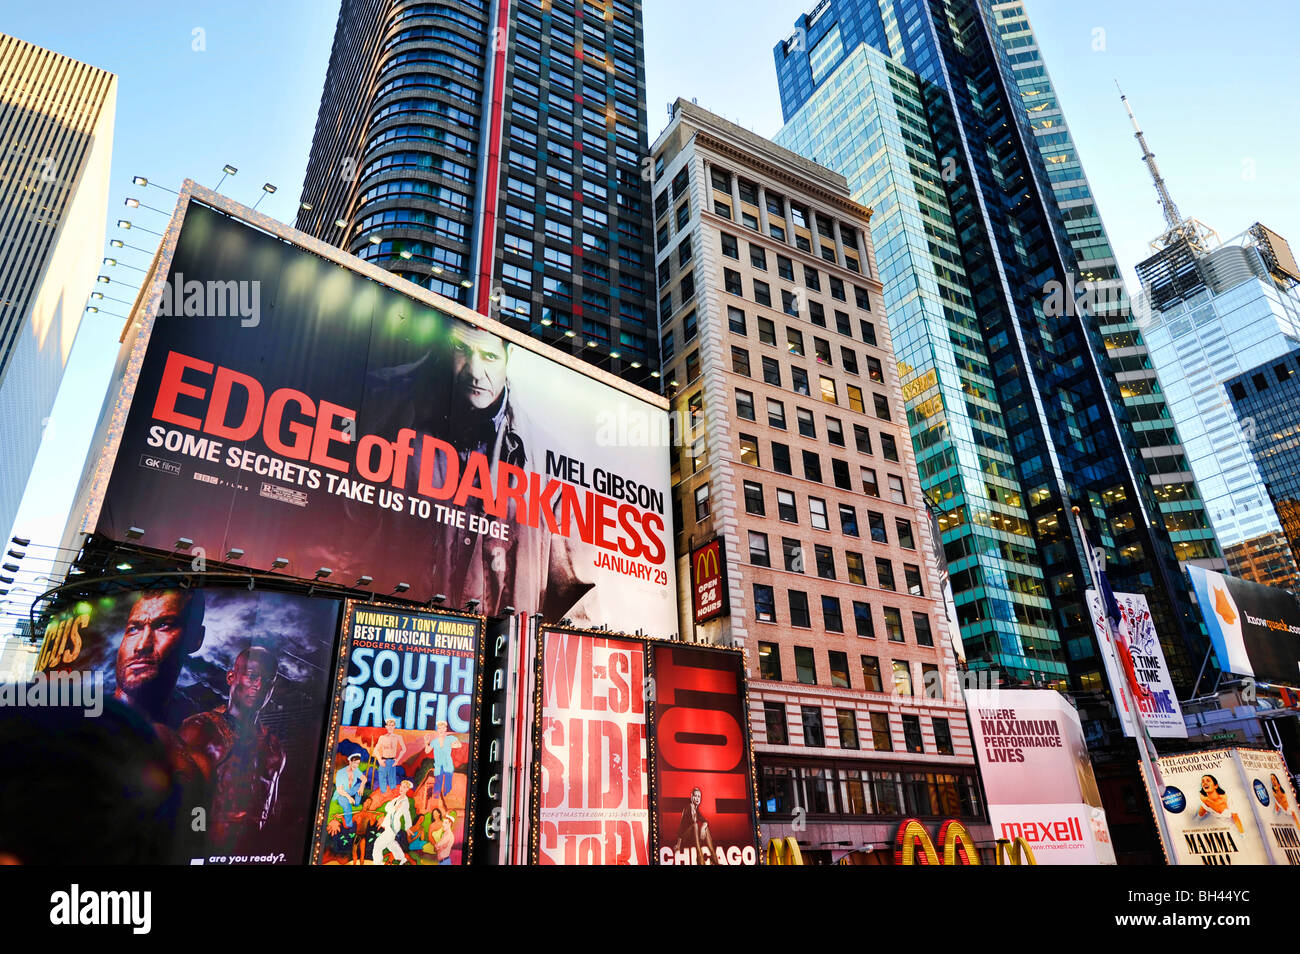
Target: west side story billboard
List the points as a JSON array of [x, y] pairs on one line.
[[287, 405]]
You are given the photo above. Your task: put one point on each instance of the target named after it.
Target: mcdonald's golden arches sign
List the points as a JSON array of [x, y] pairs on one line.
[[708, 581]]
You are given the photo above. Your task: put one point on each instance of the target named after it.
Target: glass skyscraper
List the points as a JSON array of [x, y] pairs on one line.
[[1028, 387], [493, 152], [1207, 317]]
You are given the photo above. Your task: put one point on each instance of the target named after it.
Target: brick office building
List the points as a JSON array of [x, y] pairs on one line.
[[792, 450]]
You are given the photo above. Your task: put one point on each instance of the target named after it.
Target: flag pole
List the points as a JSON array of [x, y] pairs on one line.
[[1150, 773]]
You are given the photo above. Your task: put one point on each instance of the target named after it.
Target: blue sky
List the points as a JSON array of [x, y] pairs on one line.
[[1214, 87]]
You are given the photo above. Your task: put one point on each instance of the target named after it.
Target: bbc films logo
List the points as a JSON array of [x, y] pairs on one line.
[[160, 464]]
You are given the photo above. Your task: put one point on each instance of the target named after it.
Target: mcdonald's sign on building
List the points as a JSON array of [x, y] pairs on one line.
[[708, 581]]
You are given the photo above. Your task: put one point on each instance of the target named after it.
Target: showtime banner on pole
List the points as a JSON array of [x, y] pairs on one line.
[[1142, 665], [236, 684], [703, 768], [592, 793], [291, 405], [397, 785], [1038, 776]]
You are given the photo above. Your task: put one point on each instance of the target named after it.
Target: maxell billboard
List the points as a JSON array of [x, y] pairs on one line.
[[1037, 775], [292, 405], [1255, 629]]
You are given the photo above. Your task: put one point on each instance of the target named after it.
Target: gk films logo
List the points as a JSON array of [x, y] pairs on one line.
[[160, 464]]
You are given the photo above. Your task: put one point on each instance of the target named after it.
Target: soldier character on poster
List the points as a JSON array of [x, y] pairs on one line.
[[396, 789], [236, 686]]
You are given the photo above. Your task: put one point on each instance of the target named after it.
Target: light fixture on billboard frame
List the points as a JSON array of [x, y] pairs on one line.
[[364, 580], [134, 533], [438, 599], [226, 171], [566, 621], [183, 544], [139, 180], [9, 567], [305, 206], [401, 587], [323, 573], [16, 555], [472, 605], [267, 189], [20, 541], [279, 563], [233, 554]]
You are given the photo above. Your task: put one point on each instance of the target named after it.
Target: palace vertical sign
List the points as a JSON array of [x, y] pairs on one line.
[[708, 581]]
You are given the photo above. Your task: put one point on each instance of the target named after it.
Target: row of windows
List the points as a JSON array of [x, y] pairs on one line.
[[899, 670], [812, 280], [850, 791], [423, 161], [788, 511], [846, 722], [797, 600]]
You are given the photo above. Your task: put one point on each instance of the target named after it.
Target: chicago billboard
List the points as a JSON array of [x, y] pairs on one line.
[[1038, 776], [703, 773], [285, 405], [398, 776], [1255, 629], [1141, 664], [237, 686]]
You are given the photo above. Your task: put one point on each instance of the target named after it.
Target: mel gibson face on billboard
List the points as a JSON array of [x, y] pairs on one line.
[[357, 429]]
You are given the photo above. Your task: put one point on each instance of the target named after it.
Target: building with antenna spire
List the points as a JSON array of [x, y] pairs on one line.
[[1209, 311]]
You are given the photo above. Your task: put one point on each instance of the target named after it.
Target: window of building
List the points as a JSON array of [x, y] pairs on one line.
[[745, 405], [774, 717], [848, 520], [812, 726], [805, 666], [792, 553], [785, 268], [771, 371], [692, 366], [832, 619], [758, 256], [701, 503], [754, 498], [807, 424], [817, 514], [871, 674], [794, 341], [730, 247], [921, 627], [812, 466], [766, 331], [825, 557], [775, 414], [769, 661], [931, 681], [799, 615], [736, 320], [904, 530], [942, 736], [781, 458], [869, 485], [799, 381], [785, 507], [762, 293], [868, 332], [902, 678], [896, 493], [828, 390], [764, 603], [855, 398], [885, 574], [731, 281], [848, 725], [876, 525], [740, 361], [882, 409], [893, 624], [856, 570], [880, 739], [758, 552], [912, 733], [862, 621], [850, 360], [912, 579], [749, 450]]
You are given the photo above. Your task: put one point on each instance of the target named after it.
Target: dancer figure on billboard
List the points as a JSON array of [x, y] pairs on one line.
[[439, 745], [238, 759], [694, 830], [1282, 804], [348, 785], [1214, 802], [389, 750], [397, 818]]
